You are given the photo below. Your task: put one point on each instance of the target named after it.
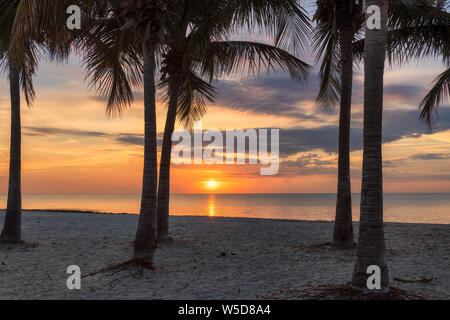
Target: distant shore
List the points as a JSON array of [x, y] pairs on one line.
[[210, 258]]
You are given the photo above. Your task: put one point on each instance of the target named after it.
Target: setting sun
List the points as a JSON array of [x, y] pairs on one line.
[[211, 184]]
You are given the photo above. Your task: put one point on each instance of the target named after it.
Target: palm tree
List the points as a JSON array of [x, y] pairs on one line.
[[30, 30], [338, 22], [146, 19], [20, 61], [193, 47], [371, 245], [113, 66], [113, 59], [416, 28]]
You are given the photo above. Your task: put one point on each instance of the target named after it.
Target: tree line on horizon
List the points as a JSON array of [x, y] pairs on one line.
[[124, 43]]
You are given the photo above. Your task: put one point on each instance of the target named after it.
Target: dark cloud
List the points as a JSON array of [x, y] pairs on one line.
[[431, 156], [278, 95], [131, 139], [406, 91], [398, 124], [275, 95], [122, 138], [405, 177], [392, 163], [36, 131]]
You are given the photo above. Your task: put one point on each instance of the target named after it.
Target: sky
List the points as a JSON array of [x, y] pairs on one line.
[[71, 146]]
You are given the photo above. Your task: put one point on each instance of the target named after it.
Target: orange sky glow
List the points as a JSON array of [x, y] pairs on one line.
[[70, 146]]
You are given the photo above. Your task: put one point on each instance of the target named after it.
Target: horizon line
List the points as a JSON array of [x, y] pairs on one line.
[[225, 193]]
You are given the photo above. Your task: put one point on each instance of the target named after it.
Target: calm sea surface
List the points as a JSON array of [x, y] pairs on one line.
[[414, 208]]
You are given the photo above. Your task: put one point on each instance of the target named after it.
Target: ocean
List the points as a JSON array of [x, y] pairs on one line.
[[409, 208]]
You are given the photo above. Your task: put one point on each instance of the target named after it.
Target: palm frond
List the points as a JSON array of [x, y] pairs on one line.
[[326, 46], [192, 99], [112, 60], [229, 57], [439, 92], [24, 54], [292, 31]]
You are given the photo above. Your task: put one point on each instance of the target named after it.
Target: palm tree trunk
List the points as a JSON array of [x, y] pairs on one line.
[[145, 242], [164, 170], [343, 226], [12, 226], [371, 245]]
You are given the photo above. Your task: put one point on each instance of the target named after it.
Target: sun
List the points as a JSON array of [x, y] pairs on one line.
[[211, 184]]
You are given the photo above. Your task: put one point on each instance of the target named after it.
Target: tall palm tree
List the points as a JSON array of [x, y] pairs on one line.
[[30, 30], [194, 47], [20, 62], [113, 65], [146, 19], [338, 22], [371, 245], [117, 38]]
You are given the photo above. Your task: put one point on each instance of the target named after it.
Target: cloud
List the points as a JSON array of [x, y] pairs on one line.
[[397, 124], [131, 139], [42, 131], [431, 156], [121, 138], [276, 95], [405, 91], [308, 164]]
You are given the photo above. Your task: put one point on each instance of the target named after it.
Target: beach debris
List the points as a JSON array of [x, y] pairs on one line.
[[422, 280]]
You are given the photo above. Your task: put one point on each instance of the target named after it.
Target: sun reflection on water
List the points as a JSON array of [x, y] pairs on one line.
[[212, 205]]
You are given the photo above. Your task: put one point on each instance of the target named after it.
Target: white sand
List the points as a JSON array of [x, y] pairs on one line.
[[216, 258]]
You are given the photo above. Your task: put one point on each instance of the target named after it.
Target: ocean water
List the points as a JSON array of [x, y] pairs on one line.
[[411, 208]]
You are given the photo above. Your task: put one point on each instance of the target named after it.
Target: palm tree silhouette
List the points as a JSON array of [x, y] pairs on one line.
[[416, 28], [338, 24], [194, 48], [145, 19], [371, 249], [20, 52]]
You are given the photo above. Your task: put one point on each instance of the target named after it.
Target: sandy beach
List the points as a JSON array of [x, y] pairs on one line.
[[210, 258]]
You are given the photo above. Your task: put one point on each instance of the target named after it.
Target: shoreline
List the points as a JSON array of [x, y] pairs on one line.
[[89, 212]]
